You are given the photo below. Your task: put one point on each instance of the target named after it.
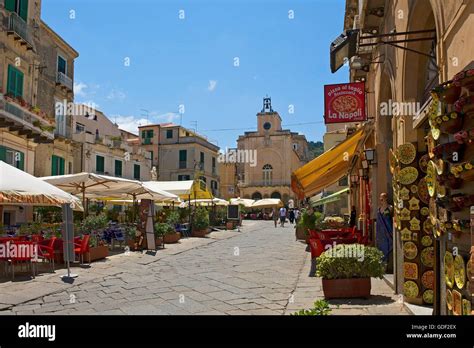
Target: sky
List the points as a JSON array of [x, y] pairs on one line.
[[145, 61]]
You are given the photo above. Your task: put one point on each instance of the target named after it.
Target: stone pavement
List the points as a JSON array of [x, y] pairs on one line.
[[261, 270]]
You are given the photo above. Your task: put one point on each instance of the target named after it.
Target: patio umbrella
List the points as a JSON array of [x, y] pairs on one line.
[[20, 188], [242, 201], [205, 202], [267, 203]]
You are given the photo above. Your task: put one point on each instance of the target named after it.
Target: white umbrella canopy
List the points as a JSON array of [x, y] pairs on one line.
[[268, 203], [19, 187], [205, 202], [242, 201]]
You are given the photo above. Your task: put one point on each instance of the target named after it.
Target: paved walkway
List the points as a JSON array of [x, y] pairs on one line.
[[261, 270]]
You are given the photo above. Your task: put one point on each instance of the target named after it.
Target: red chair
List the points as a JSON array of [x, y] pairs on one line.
[[37, 238], [82, 247], [46, 251], [24, 254]]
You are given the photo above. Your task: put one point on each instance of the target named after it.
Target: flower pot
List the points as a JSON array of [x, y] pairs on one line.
[[346, 288], [158, 241], [199, 233], [96, 253], [300, 233], [229, 225], [171, 238]]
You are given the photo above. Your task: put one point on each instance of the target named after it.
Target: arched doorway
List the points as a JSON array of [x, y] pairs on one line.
[[276, 194], [256, 196]]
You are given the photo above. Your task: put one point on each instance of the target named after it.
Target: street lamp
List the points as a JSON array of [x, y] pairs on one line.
[[370, 156]]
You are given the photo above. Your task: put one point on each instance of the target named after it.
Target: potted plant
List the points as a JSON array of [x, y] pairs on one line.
[[346, 270], [172, 236], [200, 222], [162, 229], [131, 233], [93, 225]]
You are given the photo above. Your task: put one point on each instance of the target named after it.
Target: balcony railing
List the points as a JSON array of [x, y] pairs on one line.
[[20, 29], [182, 164], [264, 183], [25, 122], [64, 80]]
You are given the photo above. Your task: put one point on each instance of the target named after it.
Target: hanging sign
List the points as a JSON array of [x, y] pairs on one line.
[[344, 103]]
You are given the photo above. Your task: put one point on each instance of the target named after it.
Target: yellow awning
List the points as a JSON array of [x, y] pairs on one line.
[[328, 168]]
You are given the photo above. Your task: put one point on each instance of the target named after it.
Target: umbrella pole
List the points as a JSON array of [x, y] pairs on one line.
[[84, 203], [133, 207]]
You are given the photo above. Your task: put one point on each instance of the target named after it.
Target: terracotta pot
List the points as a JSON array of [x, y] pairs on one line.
[[171, 238], [346, 288], [158, 242], [199, 233], [300, 233], [96, 253], [229, 225]]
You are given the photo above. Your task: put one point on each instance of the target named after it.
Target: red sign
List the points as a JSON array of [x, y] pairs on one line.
[[344, 102]]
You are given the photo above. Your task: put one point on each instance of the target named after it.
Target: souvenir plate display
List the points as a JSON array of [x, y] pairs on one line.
[[410, 289], [423, 193], [466, 307], [427, 279], [393, 160], [457, 303], [406, 234], [459, 272], [410, 270], [408, 175], [406, 153], [425, 211], [449, 299], [427, 256], [423, 163], [431, 178], [449, 269], [426, 241], [428, 296], [410, 250]]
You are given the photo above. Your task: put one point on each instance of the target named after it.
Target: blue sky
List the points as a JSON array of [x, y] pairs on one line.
[[190, 61]]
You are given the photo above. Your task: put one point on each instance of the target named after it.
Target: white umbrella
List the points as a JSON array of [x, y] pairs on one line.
[[20, 188], [267, 203], [205, 202], [242, 201]]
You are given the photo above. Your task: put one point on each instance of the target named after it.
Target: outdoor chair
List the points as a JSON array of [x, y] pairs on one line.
[[46, 251], [184, 230], [82, 247], [22, 259]]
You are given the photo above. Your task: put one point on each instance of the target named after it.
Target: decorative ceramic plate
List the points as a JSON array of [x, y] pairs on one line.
[[410, 250], [405, 194], [449, 299], [431, 145], [426, 241], [410, 270], [436, 133], [406, 234], [459, 272], [423, 163], [427, 256], [457, 303], [408, 175], [449, 269], [410, 289], [425, 211], [469, 269], [466, 307], [441, 191], [428, 226], [427, 279], [431, 178], [423, 193], [428, 296], [439, 166], [405, 214], [406, 153], [433, 210], [393, 160]]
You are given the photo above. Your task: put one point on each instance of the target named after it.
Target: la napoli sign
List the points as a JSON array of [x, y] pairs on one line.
[[344, 102]]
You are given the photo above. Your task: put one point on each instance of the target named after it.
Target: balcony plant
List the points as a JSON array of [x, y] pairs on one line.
[[347, 269], [200, 222]]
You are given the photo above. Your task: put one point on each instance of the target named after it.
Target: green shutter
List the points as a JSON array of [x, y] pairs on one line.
[[10, 5], [99, 164], [11, 83], [54, 165], [21, 163], [19, 83], [143, 134], [136, 171], [118, 168], [61, 166], [183, 155], [24, 10], [3, 153]]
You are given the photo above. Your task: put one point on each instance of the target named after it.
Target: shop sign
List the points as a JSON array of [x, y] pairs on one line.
[[344, 103]]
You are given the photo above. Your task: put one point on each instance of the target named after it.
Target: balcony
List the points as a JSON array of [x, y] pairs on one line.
[[271, 183], [83, 137], [182, 165], [64, 81], [19, 119], [20, 31]]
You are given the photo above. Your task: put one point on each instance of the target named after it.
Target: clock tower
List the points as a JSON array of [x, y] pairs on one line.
[[268, 120]]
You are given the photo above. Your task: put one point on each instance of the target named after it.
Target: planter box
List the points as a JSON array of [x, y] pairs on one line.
[[346, 288], [96, 253], [158, 242], [199, 233], [300, 233], [229, 225], [171, 238]]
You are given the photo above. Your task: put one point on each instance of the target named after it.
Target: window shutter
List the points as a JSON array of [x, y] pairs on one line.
[[136, 171], [11, 84], [19, 84], [10, 5], [61, 166], [54, 165], [3, 153], [21, 163], [24, 10]]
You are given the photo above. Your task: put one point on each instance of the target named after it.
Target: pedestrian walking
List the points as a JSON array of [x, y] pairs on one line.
[[275, 216], [297, 215], [282, 216], [291, 216]]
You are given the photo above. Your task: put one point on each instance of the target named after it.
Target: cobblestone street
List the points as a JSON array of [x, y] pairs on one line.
[[261, 270]]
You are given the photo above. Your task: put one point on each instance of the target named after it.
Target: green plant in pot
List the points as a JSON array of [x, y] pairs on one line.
[[93, 225], [346, 270], [200, 222]]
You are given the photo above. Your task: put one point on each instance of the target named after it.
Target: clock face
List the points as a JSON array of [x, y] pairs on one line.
[[267, 125]]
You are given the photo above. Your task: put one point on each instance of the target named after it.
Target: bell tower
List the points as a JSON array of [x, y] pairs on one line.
[[269, 121]]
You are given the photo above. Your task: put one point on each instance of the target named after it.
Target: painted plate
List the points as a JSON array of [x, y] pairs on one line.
[[427, 279], [423, 193], [426, 241], [449, 299], [436, 133], [449, 269], [428, 296], [425, 211], [408, 175], [459, 272], [431, 145], [469, 269], [406, 153], [410, 289], [439, 166], [423, 163], [431, 178], [466, 307], [427, 256], [414, 188], [393, 160], [410, 250], [427, 226], [410, 270], [406, 234], [457, 303]]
